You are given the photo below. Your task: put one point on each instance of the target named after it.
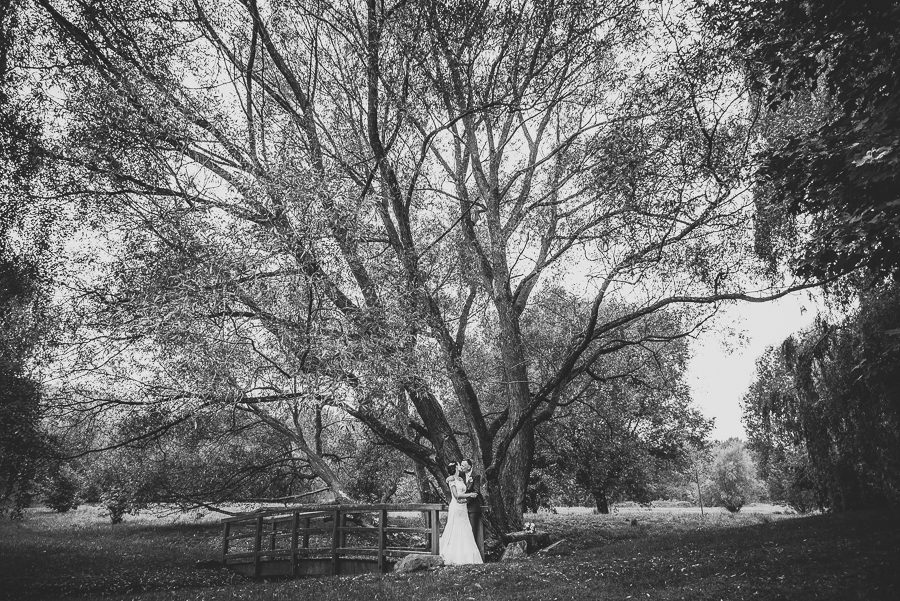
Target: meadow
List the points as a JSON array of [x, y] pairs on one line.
[[632, 554]]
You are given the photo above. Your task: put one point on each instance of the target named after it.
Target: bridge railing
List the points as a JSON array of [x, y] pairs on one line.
[[333, 539]]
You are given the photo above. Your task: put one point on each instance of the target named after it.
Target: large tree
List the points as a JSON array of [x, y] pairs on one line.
[[350, 207]]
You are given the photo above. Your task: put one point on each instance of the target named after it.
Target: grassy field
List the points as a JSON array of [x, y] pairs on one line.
[[666, 555]]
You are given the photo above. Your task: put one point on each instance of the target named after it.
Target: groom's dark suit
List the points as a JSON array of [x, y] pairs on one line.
[[473, 484]]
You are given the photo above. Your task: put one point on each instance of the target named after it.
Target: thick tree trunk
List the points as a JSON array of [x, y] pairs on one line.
[[514, 475], [518, 461], [602, 502], [498, 519]]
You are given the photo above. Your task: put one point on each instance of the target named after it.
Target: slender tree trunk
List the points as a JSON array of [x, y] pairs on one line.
[[699, 491]]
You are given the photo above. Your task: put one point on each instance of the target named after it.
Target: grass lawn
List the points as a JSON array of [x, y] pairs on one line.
[[667, 555]]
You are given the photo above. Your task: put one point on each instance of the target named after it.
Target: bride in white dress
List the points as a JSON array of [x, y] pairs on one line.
[[458, 544]]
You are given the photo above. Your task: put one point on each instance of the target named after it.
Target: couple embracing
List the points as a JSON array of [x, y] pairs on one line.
[[458, 544]]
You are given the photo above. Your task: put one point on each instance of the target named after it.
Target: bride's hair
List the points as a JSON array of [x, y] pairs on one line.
[[451, 468]]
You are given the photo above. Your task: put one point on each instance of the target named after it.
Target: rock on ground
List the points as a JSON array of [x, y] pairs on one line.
[[418, 561], [514, 551]]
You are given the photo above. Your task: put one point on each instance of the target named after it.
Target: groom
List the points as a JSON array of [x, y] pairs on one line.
[[473, 484]]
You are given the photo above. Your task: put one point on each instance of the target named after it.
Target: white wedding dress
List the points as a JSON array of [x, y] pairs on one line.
[[458, 544]]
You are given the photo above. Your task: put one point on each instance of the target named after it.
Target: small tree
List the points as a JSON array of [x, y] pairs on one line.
[[61, 491], [732, 479]]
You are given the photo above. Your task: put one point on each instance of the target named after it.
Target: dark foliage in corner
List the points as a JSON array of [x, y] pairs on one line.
[[829, 73]]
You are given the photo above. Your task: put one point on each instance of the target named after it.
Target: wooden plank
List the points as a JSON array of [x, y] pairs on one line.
[[278, 519], [359, 529], [357, 551], [323, 530], [327, 508], [405, 552], [280, 553], [257, 545], [382, 524]]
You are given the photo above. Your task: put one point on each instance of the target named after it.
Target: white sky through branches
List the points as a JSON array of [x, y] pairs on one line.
[[724, 358]]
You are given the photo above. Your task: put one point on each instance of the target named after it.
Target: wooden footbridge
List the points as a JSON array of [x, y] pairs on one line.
[[317, 540]]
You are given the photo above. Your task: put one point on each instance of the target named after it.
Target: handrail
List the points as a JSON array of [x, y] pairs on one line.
[[330, 507]]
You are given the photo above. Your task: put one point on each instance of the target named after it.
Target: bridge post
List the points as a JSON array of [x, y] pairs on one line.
[[294, 523], [435, 532], [225, 535], [257, 545], [382, 519], [335, 535]]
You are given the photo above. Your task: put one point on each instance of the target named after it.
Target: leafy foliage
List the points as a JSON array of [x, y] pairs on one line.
[[61, 492], [822, 413], [22, 444], [205, 461], [836, 167], [732, 477], [629, 428]]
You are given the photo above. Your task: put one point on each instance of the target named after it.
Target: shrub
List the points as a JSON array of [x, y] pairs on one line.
[[61, 492], [732, 479], [116, 504]]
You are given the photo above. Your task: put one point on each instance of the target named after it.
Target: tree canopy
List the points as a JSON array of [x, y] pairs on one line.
[[351, 210]]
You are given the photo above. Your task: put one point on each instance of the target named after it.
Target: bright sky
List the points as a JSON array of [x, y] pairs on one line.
[[724, 357]]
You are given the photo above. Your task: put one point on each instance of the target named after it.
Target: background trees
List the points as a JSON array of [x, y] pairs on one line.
[[822, 412], [629, 429], [825, 190]]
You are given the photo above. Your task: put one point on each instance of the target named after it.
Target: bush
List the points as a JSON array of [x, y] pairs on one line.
[[116, 504], [791, 481], [732, 480], [61, 493]]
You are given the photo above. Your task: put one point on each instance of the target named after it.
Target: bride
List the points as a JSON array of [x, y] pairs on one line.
[[457, 543]]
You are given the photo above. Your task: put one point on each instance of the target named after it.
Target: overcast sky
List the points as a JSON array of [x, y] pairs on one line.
[[724, 359]]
